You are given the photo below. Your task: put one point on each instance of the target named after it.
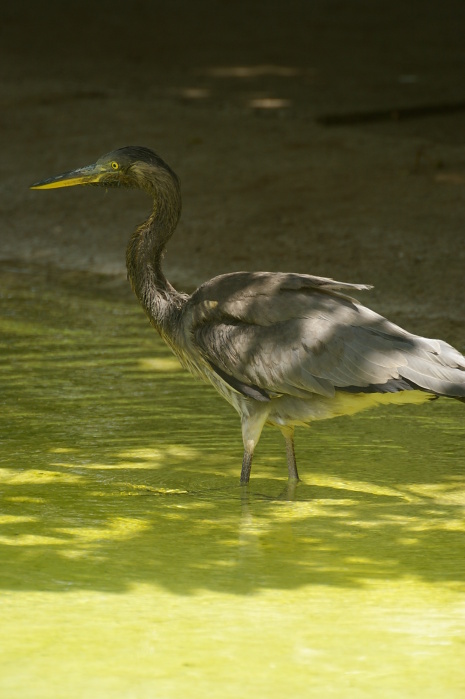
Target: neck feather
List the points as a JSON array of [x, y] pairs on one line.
[[146, 248]]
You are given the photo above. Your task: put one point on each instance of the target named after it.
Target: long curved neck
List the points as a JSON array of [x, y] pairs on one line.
[[146, 248]]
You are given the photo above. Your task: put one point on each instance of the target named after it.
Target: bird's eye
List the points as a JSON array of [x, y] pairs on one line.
[[114, 165]]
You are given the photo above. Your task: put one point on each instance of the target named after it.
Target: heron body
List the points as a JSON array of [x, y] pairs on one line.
[[282, 349]]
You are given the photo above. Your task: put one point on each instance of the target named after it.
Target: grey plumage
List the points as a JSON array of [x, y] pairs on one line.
[[296, 334], [283, 349]]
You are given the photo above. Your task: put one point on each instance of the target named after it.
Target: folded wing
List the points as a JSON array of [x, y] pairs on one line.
[[269, 334]]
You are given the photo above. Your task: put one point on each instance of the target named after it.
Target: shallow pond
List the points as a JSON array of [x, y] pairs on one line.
[[132, 564]]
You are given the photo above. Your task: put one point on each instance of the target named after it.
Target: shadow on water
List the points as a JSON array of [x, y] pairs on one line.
[[118, 469]]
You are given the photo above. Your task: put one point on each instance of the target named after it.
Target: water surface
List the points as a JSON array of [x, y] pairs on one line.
[[132, 564]]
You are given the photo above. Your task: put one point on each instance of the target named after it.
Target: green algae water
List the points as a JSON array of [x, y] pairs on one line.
[[133, 565]]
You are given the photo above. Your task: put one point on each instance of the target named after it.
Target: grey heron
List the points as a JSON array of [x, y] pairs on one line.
[[283, 349]]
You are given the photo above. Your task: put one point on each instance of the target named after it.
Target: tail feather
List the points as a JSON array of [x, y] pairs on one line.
[[441, 372]]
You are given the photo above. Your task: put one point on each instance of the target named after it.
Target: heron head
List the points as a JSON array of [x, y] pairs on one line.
[[131, 166]]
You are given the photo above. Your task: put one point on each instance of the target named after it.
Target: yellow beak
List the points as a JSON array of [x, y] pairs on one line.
[[84, 175]]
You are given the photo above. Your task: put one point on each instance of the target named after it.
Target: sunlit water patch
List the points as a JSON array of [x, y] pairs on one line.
[[133, 563]]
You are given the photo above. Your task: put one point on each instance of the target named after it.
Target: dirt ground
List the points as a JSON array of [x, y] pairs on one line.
[[319, 136]]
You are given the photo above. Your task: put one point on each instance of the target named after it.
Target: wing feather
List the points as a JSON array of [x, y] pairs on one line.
[[296, 334]]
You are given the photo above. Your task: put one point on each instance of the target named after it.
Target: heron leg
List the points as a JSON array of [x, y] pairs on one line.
[[246, 467], [252, 425], [288, 434]]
